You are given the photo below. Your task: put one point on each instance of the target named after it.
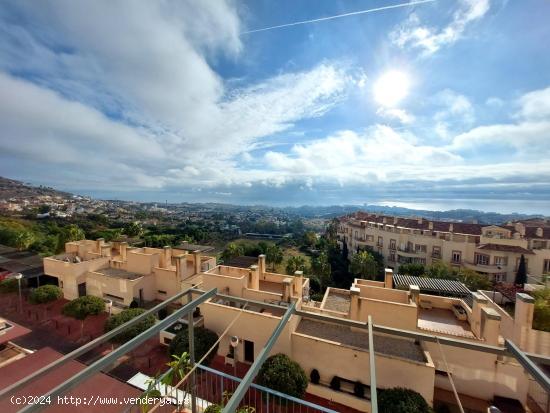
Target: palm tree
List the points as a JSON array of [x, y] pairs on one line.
[[232, 250], [294, 264], [274, 255]]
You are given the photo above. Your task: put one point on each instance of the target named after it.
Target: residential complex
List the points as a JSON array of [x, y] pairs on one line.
[[488, 249], [418, 338], [121, 274]]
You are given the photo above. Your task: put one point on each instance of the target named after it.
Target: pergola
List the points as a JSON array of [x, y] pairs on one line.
[[436, 286]]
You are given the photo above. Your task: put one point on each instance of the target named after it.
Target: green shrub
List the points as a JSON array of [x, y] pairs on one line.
[[82, 307], [123, 317], [213, 408], [45, 294], [335, 383], [204, 340], [9, 286], [282, 374], [541, 316], [400, 400], [314, 376]]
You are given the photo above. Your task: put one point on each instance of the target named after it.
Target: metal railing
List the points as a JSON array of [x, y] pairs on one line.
[[216, 387]]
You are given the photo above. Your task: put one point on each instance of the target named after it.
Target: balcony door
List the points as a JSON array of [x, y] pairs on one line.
[[81, 289], [249, 351]]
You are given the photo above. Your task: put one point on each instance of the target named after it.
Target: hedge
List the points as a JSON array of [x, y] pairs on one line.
[[45, 294]]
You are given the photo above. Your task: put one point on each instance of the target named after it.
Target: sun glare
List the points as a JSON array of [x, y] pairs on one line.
[[391, 88]]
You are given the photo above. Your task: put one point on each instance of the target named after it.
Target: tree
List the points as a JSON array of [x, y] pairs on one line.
[[24, 239], [297, 263], [82, 307], [70, 233], [400, 400], [320, 267], [474, 280], [10, 285], [204, 340], [274, 255], [363, 265], [414, 269], [541, 315], [45, 294], [309, 239], [232, 250], [339, 266], [123, 317], [133, 229], [521, 275], [282, 374]]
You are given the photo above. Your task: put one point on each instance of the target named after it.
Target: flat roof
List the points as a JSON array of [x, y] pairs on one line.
[[99, 385], [383, 344], [242, 261], [11, 331], [194, 247], [117, 273]]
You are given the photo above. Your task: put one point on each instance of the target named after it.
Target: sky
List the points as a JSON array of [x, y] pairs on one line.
[[193, 101]]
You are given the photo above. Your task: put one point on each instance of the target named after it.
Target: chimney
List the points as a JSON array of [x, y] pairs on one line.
[[519, 227], [479, 303], [451, 227], [287, 282], [388, 278], [523, 319], [261, 264], [539, 232], [431, 226], [414, 291], [123, 248], [167, 257], [98, 244], [253, 278], [355, 309], [181, 261], [490, 325], [298, 283], [197, 260]]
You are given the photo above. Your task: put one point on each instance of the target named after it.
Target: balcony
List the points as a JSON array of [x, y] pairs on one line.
[[490, 269], [407, 252]]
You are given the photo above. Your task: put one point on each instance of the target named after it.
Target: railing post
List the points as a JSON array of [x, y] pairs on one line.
[[191, 330]]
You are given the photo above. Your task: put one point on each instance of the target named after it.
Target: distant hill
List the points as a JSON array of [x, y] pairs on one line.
[[10, 188]]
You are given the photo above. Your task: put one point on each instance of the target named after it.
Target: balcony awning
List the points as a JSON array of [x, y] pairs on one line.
[[435, 286]]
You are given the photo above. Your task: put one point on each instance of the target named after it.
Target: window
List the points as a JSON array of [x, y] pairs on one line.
[[456, 257], [503, 261], [546, 266], [380, 241], [436, 252], [392, 257], [392, 244], [420, 248], [481, 259]]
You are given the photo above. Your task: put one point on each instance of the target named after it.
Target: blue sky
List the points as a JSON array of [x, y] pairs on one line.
[[185, 101]]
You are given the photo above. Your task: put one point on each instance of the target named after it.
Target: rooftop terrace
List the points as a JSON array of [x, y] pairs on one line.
[[337, 300], [439, 320], [390, 346], [117, 273]]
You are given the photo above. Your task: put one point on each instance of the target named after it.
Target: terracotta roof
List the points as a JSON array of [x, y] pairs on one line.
[[505, 248], [98, 385], [423, 224]]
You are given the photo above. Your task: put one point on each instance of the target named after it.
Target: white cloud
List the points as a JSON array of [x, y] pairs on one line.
[[394, 113], [535, 105], [430, 39]]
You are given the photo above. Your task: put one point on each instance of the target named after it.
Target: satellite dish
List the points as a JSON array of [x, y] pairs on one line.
[[234, 341]]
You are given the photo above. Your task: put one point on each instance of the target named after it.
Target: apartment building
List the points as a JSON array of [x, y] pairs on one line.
[[120, 274], [488, 249], [329, 336]]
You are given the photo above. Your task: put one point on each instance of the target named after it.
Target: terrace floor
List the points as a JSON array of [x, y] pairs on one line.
[[443, 321], [337, 301], [272, 287], [390, 346]]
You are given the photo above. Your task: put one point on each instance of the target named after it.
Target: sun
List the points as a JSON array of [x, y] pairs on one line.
[[391, 88]]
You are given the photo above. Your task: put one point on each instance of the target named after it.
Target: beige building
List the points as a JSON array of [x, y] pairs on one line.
[[252, 302], [492, 250], [119, 273]]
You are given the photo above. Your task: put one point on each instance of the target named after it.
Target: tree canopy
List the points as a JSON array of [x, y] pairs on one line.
[[84, 306], [297, 263], [204, 340], [400, 400], [363, 265], [45, 294], [283, 374], [123, 317]]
